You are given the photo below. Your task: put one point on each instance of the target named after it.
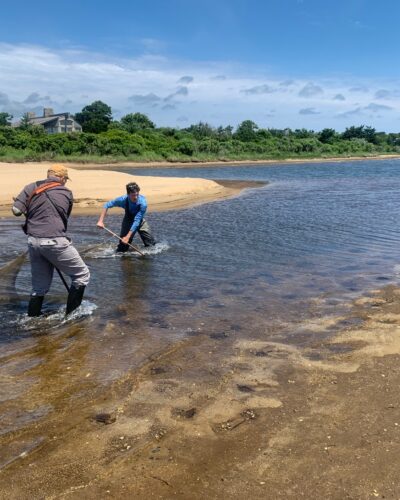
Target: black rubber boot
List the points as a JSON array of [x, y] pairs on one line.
[[75, 297], [35, 305]]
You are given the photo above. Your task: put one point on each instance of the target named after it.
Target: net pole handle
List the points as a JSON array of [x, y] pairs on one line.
[[129, 245]]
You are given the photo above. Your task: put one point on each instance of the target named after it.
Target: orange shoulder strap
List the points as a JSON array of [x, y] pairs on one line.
[[42, 188]]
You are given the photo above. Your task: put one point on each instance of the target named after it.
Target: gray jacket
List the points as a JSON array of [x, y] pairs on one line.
[[45, 219]]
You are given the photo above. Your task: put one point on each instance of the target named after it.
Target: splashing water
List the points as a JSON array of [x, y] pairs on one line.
[[52, 318], [107, 251], [85, 309], [157, 248]]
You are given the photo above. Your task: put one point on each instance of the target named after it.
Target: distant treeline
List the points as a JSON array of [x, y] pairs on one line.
[[135, 137]]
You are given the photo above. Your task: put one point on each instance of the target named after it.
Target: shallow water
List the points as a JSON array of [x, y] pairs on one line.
[[317, 235]]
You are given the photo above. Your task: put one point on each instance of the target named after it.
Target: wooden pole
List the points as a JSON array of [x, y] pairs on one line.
[[129, 245]]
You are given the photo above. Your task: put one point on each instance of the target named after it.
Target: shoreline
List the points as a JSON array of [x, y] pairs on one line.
[[220, 163]]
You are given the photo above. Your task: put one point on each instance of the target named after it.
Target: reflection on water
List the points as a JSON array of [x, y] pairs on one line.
[[255, 265]]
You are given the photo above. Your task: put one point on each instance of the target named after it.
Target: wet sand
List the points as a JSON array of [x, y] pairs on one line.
[[92, 188], [240, 417]]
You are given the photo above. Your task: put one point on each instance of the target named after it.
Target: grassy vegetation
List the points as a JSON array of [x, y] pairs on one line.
[[143, 142]]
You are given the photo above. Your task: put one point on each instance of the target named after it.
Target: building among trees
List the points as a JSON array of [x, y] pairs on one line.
[[53, 123]]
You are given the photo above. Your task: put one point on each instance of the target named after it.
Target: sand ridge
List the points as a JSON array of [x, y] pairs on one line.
[[91, 188]]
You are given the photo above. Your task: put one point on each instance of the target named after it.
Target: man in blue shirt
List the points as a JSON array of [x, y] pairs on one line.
[[135, 207]]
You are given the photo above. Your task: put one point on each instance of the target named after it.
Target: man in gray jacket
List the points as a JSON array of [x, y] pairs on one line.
[[47, 205]]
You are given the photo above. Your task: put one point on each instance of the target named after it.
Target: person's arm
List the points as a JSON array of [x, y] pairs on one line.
[[16, 211], [127, 237], [20, 205], [139, 216], [70, 204], [117, 202], [100, 222]]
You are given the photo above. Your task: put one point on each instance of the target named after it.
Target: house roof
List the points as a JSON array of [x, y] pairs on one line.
[[44, 120], [37, 121]]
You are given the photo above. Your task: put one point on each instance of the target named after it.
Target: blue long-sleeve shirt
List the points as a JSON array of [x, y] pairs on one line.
[[136, 210]]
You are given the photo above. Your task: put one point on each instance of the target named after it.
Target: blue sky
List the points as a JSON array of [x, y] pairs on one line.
[[281, 63]]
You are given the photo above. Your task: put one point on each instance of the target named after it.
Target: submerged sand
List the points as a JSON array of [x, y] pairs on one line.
[[91, 188], [269, 420]]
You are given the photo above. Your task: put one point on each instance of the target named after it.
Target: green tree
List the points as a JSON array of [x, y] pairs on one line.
[[303, 133], [327, 136], [25, 122], [370, 135], [393, 139], [186, 147], [209, 145], [264, 133], [361, 132], [115, 125], [275, 132], [95, 117], [224, 132], [201, 130], [5, 119], [136, 121], [246, 131]]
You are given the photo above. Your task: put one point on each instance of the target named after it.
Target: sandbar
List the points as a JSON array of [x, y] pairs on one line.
[[91, 188]]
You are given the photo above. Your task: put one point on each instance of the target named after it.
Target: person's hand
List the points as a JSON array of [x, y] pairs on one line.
[[100, 224], [125, 239]]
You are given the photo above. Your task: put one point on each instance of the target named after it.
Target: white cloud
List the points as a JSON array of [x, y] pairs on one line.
[[308, 111], [387, 94], [186, 79], [143, 100], [4, 99], [372, 107], [168, 107], [359, 88], [339, 97], [377, 107], [36, 98], [259, 89], [219, 93], [287, 83], [350, 113], [153, 44], [311, 90]]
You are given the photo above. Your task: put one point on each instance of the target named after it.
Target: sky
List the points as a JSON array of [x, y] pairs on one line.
[[281, 63]]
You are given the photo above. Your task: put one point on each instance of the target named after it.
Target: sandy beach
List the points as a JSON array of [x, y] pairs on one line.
[[93, 187]]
